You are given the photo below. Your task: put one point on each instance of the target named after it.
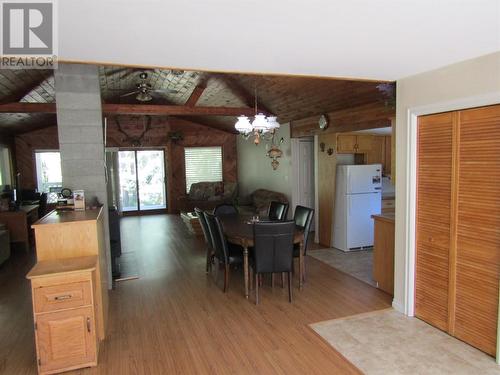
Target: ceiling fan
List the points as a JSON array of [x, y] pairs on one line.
[[144, 91]]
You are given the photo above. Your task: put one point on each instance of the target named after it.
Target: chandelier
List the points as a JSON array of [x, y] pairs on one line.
[[260, 126]]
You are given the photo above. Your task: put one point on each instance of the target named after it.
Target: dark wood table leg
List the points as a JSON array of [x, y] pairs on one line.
[[245, 266]]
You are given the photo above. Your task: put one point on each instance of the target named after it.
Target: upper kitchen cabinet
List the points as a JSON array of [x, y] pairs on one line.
[[353, 144], [372, 149]]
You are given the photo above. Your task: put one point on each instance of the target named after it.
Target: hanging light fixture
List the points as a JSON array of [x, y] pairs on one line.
[[259, 126]]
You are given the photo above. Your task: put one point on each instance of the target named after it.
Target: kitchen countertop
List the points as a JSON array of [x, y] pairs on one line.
[[389, 217]]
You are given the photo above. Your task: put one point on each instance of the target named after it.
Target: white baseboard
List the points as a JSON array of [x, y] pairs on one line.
[[398, 306]]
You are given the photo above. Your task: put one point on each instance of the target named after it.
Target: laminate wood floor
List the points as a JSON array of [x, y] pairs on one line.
[[176, 320]]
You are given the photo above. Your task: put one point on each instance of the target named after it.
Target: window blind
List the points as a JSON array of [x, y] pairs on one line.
[[202, 164]]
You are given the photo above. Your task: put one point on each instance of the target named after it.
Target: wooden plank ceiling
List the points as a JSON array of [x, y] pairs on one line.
[[290, 98]]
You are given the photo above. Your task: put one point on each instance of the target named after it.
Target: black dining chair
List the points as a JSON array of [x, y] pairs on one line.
[[225, 209], [303, 218], [206, 235], [224, 253], [277, 211], [273, 251]]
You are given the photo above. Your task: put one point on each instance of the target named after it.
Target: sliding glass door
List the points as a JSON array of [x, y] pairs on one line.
[[142, 180]]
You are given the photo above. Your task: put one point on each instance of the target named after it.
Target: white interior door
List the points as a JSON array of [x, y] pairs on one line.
[[306, 174]]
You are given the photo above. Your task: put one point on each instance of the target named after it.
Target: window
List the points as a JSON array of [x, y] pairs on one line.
[[5, 175], [202, 164], [48, 170]]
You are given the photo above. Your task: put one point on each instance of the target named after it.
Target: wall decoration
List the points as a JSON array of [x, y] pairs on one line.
[[135, 141]]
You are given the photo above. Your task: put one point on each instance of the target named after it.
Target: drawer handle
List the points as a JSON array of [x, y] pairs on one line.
[[63, 297], [88, 325]]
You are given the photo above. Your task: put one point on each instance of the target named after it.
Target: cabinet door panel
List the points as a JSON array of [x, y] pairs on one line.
[[66, 339], [364, 143], [388, 155], [434, 171], [478, 228], [376, 154], [346, 143]]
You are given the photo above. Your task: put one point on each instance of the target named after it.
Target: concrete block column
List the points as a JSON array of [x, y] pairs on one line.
[[80, 131]]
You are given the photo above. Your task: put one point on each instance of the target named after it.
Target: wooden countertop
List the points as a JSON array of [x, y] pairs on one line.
[[60, 217], [55, 267], [385, 217], [26, 209]]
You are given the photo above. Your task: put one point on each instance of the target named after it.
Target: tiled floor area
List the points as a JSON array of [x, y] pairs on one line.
[[387, 342], [358, 264]]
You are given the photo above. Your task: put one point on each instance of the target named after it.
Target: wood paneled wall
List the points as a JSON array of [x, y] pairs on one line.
[[193, 135], [327, 166]]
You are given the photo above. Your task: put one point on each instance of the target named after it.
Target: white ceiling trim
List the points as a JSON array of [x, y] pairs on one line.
[[380, 40]]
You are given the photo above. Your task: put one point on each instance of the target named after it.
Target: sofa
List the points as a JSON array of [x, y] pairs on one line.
[[208, 195], [4, 243], [258, 202]]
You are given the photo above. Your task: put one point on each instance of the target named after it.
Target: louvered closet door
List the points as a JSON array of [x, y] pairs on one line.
[[434, 170], [478, 228]]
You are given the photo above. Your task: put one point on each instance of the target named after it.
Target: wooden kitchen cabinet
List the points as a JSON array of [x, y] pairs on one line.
[[64, 312], [383, 252], [66, 340], [373, 149], [376, 155], [364, 143], [353, 144], [387, 165], [346, 143]]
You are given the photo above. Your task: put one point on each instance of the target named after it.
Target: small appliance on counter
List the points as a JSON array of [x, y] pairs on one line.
[[65, 200]]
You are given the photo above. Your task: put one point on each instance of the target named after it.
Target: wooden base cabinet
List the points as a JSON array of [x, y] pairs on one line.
[[383, 252], [457, 270], [64, 313]]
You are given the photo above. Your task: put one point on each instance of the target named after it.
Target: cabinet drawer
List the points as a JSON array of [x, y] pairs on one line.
[[64, 296]]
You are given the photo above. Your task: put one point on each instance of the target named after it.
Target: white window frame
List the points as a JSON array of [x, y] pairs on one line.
[[189, 181], [38, 167]]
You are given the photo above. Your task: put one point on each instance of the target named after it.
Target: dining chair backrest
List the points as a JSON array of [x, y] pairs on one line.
[[225, 209], [303, 218], [218, 239], [204, 226], [273, 246], [277, 210]]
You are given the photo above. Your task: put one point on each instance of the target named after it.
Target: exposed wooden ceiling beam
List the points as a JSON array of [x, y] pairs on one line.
[[238, 90], [195, 95], [134, 109], [368, 116]]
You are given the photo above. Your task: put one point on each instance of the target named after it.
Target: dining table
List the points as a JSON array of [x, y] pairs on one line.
[[238, 230]]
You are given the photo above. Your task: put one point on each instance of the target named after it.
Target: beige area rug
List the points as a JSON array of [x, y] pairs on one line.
[[358, 264], [388, 342]]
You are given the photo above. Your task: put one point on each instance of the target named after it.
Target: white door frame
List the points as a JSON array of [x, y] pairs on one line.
[[296, 172], [411, 178]]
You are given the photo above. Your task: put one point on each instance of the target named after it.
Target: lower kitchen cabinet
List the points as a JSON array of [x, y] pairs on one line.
[[383, 252], [64, 312]]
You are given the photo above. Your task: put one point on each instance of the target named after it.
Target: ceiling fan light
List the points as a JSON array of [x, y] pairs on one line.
[[144, 97], [243, 125], [260, 123]]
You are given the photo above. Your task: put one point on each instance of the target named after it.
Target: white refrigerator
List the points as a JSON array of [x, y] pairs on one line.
[[358, 195]]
